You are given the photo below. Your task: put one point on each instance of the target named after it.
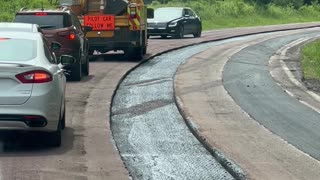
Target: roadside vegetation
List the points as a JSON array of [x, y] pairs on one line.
[[311, 60], [8, 8], [217, 14]]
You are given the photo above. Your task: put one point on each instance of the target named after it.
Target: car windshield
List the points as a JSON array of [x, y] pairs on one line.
[[167, 14], [10, 46], [44, 21]]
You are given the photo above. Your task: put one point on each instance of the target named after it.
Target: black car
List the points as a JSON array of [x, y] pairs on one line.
[[63, 26], [175, 22]]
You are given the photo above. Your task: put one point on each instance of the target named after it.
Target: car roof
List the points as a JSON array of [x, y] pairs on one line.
[[23, 27], [20, 35]]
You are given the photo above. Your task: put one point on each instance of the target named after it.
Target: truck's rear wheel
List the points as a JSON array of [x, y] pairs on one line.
[[144, 50], [135, 54]]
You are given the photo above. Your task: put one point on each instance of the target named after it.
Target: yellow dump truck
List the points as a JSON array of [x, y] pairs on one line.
[[117, 24]]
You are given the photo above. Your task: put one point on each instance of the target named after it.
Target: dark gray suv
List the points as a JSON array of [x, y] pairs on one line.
[[63, 26]]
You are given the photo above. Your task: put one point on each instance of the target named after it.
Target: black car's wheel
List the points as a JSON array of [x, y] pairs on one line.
[[198, 32], [180, 32]]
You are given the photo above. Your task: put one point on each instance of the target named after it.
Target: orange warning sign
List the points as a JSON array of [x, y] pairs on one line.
[[99, 23]]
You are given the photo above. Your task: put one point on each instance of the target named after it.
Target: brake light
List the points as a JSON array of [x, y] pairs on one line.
[[36, 76], [72, 36], [40, 13], [3, 39], [69, 34]]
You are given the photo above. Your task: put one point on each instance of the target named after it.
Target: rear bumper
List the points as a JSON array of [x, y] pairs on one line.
[[159, 32], [122, 39], [44, 102]]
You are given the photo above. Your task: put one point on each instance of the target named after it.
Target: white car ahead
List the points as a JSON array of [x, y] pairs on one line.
[[32, 85]]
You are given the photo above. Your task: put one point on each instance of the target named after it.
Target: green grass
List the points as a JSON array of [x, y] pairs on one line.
[[311, 60], [239, 13], [8, 8]]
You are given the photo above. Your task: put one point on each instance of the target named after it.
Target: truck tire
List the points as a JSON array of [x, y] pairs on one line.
[[135, 54], [145, 50], [138, 54]]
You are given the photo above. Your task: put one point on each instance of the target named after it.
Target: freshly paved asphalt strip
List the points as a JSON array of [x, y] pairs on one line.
[[223, 125], [149, 131]]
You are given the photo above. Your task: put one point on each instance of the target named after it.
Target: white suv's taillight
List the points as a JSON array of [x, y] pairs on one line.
[[36, 76]]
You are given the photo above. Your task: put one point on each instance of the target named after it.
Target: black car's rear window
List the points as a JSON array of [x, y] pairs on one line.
[[45, 21]]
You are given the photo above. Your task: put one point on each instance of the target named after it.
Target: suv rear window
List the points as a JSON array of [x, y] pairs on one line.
[[44, 20]]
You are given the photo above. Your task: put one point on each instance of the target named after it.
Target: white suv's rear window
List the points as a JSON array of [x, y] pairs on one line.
[[12, 49]]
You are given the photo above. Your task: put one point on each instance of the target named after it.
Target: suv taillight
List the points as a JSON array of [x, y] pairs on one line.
[[69, 34], [36, 76]]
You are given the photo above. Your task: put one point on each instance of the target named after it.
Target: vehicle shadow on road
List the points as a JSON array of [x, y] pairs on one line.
[[111, 57], [33, 144]]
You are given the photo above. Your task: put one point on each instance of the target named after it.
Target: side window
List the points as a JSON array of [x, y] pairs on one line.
[[48, 53], [67, 20], [190, 12], [185, 12]]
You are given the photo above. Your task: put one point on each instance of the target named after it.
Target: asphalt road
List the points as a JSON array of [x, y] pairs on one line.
[[88, 150], [211, 88], [248, 81]]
